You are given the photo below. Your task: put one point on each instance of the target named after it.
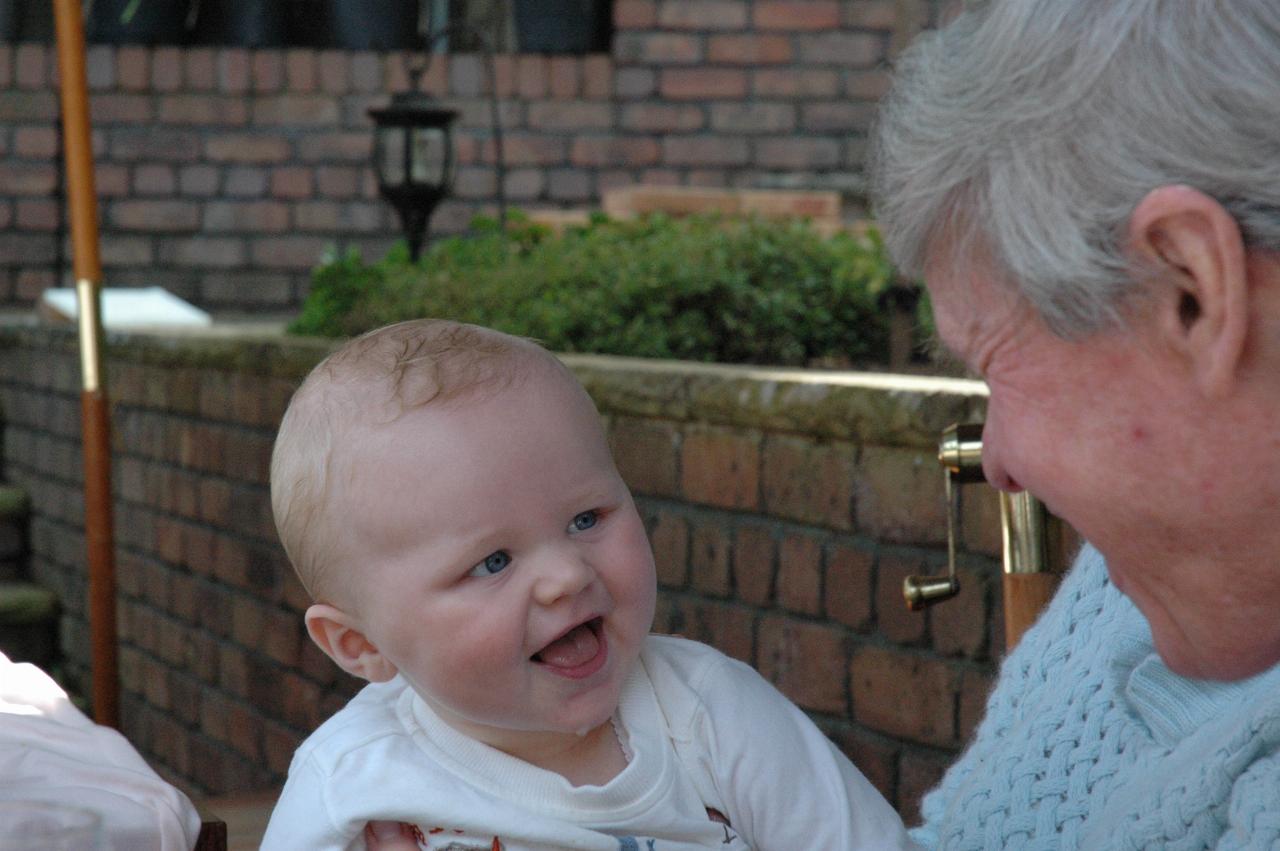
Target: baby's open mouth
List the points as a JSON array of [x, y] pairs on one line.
[[576, 647]]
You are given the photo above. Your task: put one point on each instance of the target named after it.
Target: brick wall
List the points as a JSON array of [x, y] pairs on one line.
[[785, 508], [223, 174]]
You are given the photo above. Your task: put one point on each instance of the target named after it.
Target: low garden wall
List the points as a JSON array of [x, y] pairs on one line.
[[785, 507]]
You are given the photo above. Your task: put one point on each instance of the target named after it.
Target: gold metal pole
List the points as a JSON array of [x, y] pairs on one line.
[[94, 417]]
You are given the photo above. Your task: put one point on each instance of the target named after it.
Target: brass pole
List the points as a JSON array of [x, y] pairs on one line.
[[94, 417]]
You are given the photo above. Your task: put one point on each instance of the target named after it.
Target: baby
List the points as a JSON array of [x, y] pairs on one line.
[[447, 496]]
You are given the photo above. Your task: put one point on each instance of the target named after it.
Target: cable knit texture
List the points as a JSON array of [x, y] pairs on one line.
[[1090, 742]]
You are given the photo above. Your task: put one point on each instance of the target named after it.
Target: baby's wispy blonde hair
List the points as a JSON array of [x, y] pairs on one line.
[[370, 381]]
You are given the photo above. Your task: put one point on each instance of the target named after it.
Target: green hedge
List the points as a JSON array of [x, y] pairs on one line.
[[700, 288]]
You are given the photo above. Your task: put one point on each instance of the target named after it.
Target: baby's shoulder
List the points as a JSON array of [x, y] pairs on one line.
[[369, 719]]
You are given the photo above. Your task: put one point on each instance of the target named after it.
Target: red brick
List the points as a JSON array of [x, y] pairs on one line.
[[702, 14], [659, 48], [797, 153], [334, 70], [702, 83], [112, 108], [158, 179], [366, 72], [6, 65], [790, 83], [524, 184], [845, 49], [32, 66], [204, 252], [807, 662], [899, 496], [201, 73], [166, 69], [872, 14], [202, 109], [721, 467], [100, 67], [753, 117], [468, 76], [635, 83], [296, 109], [199, 181], [133, 68], [529, 150], [796, 15], [267, 71], [634, 14], [244, 148], [709, 557], [343, 147], [533, 76], [39, 215], [597, 77], [338, 181], [28, 179], [646, 452], [867, 85], [800, 574], [975, 688], [751, 49], [300, 70], [809, 482], [290, 182], [662, 118], [669, 536], [298, 252], [704, 151], [565, 77], [257, 216], [905, 695], [960, 625], [570, 115], [245, 182], [233, 71], [895, 621], [848, 586], [604, 151], [726, 627], [918, 772], [754, 562], [875, 756]]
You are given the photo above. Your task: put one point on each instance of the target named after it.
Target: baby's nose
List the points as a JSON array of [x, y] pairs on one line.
[[561, 574]]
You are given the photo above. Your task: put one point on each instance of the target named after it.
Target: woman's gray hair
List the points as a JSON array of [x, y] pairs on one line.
[[1030, 129]]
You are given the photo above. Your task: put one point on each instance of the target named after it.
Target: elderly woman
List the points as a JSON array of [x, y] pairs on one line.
[[1091, 191]]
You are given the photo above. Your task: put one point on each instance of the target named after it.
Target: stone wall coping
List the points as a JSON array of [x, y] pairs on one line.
[[862, 407]]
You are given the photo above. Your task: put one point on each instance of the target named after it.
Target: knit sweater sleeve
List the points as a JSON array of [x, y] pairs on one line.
[[1024, 671], [1253, 816]]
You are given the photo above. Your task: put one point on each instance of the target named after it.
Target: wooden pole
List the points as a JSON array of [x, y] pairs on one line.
[[77, 147]]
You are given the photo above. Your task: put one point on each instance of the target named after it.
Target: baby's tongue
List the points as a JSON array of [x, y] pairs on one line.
[[574, 648]]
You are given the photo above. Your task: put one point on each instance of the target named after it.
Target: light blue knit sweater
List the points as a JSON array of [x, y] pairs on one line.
[[1090, 742]]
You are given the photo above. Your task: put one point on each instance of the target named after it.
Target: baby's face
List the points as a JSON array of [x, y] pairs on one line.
[[502, 565]]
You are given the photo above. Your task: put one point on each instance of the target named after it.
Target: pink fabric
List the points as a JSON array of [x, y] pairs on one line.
[[50, 751]]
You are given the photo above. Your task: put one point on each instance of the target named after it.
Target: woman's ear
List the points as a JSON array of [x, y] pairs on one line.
[[335, 632], [1201, 289]]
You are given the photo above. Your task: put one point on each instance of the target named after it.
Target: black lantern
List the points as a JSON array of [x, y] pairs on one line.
[[413, 159]]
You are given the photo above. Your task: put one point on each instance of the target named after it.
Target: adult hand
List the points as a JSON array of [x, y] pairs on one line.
[[389, 836]]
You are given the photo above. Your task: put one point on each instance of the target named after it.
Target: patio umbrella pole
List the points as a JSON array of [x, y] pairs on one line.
[[94, 417]]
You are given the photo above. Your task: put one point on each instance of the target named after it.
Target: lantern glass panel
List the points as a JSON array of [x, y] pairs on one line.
[[391, 169], [430, 156]]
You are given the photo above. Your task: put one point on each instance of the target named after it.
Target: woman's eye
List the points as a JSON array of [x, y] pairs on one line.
[[493, 563], [584, 521]]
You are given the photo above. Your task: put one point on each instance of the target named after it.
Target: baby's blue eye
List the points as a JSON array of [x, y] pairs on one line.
[[584, 521], [493, 563]]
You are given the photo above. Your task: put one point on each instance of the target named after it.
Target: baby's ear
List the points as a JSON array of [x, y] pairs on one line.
[[334, 631]]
